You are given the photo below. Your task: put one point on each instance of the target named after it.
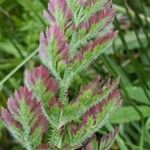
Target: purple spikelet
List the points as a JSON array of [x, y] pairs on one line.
[[93, 86], [95, 43], [110, 136], [106, 12], [53, 5], [10, 115], [108, 139], [7, 118], [41, 73], [43, 147], [53, 33], [93, 111]]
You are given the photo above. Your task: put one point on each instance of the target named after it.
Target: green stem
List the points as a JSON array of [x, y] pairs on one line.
[[64, 92], [141, 145]]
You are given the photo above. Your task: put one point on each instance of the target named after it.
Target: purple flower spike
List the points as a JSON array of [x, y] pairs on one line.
[[46, 113], [98, 87]]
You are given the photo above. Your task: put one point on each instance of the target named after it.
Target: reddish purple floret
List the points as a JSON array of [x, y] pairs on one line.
[[53, 33], [95, 43], [107, 12], [95, 110], [53, 5], [110, 136], [41, 73], [86, 2], [7, 118]]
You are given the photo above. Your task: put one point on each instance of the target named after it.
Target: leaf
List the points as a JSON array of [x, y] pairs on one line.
[[138, 94], [9, 48], [113, 67], [128, 114], [41, 83], [131, 41]]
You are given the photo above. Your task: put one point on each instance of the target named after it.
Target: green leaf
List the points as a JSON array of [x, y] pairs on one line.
[[138, 94], [129, 114]]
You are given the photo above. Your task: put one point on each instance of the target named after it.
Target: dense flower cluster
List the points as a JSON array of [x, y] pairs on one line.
[[41, 115]]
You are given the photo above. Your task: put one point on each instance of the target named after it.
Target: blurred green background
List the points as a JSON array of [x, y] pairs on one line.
[[129, 57]]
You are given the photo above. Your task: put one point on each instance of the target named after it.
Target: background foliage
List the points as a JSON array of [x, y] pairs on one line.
[[129, 58]]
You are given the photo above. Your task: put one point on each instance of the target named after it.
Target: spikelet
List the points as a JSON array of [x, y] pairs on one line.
[[40, 73], [54, 36], [53, 6], [24, 117]]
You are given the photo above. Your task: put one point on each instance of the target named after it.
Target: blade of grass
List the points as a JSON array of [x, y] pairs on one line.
[[142, 49], [17, 68]]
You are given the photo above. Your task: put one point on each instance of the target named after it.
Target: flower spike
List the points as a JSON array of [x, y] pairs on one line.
[[46, 113]]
